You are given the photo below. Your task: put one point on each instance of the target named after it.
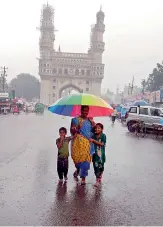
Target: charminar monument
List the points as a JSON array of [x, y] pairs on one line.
[[59, 70]]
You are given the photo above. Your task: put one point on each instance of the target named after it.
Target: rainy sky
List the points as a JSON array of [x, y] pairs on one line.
[[133, 37]]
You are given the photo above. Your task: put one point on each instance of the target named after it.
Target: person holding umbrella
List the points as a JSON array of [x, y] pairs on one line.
[[82, 107], [82, 148]]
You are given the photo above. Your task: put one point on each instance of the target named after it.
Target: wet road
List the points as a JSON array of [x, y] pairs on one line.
[[131, 192]]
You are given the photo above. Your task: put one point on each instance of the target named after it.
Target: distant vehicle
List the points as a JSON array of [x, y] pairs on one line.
[[29, 109], [147, 114], [39, 108], [5, 111], [15, 110], [24, 108], [4, 105]]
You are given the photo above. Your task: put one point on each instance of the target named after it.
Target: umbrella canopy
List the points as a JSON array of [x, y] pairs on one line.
[[140, 103], [71, 105], [20, 101]]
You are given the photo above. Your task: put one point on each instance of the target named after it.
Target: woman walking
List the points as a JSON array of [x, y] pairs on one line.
[[113, 116], [82, 148]]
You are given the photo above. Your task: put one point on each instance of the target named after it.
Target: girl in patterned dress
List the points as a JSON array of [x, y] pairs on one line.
[[99, 140]]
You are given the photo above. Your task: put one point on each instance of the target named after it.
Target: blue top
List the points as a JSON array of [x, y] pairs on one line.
[[123, 112], [161, 121], [85, 130]]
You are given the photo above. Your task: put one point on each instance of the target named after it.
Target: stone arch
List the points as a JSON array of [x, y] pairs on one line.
[[69, 86], [88, 72], [66, 71], [77, 72], [54, 70], [82, 72], [60, 71]]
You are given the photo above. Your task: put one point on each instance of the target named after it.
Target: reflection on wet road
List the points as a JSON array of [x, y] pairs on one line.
[[131, 192]]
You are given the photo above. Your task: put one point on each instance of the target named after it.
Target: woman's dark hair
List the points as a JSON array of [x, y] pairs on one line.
[[63, 129], [84, 107], [93, 130], [100, 125]]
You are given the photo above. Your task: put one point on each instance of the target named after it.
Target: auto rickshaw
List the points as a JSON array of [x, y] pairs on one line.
[[39, 108], [15, 110]]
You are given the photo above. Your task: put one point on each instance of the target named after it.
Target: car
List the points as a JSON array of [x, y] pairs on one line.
[[147, 114]]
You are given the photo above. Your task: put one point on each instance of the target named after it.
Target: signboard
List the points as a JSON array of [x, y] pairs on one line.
[[4, 95], [158, 96], [152, 97], [12, 94], [139, 96], [161, 95], [4, 104], [147, 96]]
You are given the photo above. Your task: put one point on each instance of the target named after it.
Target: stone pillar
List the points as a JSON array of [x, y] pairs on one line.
[[46, 92]]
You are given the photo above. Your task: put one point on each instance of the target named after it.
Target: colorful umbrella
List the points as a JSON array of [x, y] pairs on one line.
[[71, 105]]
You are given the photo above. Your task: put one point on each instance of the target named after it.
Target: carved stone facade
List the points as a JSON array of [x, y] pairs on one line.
[[61, 70]]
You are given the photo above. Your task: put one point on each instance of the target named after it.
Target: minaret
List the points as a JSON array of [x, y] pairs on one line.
[[97, 45], [47, 31], [46, 44]]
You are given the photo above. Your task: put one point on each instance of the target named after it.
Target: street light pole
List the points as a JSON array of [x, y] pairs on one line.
[[3, 77], [132, 86], [49, 98], [129, 87], [12, 91]]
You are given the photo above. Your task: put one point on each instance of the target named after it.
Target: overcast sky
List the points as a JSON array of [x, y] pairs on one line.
[[133, 37]]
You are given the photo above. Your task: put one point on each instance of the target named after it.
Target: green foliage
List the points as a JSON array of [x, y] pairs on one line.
[[143, 84], [26, 86], [3, 81], [154, 80]]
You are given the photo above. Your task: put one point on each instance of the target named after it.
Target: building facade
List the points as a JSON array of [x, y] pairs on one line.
[[61, 70]]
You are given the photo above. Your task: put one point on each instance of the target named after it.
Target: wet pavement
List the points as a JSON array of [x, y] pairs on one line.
[[131, 192]]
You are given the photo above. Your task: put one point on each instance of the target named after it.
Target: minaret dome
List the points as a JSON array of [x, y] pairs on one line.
[[100, 14]]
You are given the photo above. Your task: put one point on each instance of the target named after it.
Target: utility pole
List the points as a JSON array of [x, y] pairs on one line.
[[129, 87], [12, 91], [3, 77], [132, 86], [49, 98]]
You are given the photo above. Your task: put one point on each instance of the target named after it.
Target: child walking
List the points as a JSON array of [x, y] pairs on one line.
[[99, 140], [63, 153]]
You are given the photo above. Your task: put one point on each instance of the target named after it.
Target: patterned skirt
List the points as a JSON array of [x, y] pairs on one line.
[[81, 150]]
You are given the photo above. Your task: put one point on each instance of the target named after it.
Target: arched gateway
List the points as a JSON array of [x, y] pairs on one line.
[[71, 87], [59, 70]]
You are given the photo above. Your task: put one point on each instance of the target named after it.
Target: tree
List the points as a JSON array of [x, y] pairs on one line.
[[155, 79], [26, 86], [143, 84], [3, 84]]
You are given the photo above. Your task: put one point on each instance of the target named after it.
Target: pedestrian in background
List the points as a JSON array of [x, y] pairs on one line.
[[114, 114]]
